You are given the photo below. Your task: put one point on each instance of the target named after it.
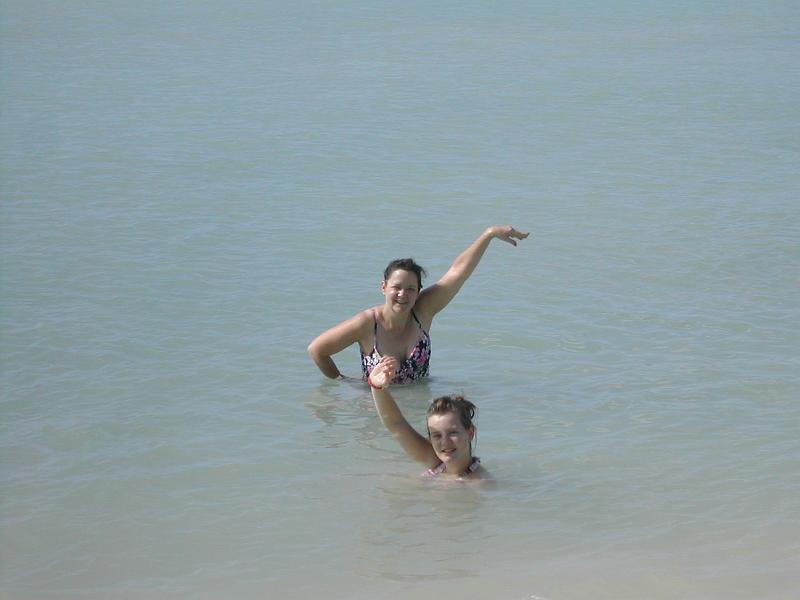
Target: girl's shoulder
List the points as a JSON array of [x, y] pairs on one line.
[[481, 474]]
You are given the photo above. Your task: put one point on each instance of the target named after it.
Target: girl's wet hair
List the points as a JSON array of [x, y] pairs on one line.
[[453, 404], [405, 264]]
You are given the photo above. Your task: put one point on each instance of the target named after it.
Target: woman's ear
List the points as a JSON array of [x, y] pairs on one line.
[[471, 433]]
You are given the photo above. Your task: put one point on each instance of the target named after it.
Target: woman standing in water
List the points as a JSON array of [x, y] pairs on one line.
[[447, 451], [399, 327]]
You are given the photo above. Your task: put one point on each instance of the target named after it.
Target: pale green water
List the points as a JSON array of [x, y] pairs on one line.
[[191, 193]]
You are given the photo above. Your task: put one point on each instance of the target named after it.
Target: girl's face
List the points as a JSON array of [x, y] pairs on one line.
[[401, 290], [451, 440]]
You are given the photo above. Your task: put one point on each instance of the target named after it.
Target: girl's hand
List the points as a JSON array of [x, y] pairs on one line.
[[508, 234], [383, 373]]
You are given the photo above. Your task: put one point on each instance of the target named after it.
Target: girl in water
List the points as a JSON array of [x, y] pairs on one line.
[[447, 451], [399, 327]]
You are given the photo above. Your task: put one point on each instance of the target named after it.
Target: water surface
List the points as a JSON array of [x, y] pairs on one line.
[[191, 193]]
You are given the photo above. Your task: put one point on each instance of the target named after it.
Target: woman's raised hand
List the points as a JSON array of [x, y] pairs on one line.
[[508, 234], [383, 373]]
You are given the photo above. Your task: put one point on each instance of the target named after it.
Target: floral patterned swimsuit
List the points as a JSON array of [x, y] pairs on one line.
[[413, 368], [473, 466]]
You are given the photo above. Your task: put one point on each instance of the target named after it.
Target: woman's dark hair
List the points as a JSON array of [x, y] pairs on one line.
[[405, 264], [453, 404]]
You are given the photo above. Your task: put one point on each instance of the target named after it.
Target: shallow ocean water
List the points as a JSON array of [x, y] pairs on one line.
[[190, 194]]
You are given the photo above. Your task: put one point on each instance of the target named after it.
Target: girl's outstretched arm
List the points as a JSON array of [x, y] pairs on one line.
[[436, 297], [416, 446]]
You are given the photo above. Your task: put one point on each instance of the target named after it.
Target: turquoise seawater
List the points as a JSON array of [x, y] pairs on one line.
[[192, 191]]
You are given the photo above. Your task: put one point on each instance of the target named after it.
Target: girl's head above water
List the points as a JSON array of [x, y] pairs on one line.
[[448, 447], [463, 408], [450, 431]]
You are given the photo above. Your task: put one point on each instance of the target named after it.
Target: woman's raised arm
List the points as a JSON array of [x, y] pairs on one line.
[[434, 298]]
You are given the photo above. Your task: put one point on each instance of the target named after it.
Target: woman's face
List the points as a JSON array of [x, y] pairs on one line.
[[401, 290], [450, 439]]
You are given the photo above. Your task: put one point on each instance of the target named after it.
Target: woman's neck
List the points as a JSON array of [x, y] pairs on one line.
[[392, 321]]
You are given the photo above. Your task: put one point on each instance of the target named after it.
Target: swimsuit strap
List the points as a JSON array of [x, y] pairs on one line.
[[375, 331], [439, 469], [413, 314], [436, 470]]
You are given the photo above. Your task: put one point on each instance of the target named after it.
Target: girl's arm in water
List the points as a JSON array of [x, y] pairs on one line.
[[416, 446], [434, 298]]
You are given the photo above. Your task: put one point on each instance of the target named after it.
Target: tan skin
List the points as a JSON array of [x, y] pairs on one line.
[[448, 441], [399, 332]]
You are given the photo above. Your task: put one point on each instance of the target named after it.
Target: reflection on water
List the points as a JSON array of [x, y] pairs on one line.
[[349, 405]]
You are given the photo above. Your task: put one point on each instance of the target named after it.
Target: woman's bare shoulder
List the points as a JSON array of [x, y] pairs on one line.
[[364, 322], [366, 318], [361, 319]]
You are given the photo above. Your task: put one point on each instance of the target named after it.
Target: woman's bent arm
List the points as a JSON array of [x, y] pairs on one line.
[[335, 340]]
